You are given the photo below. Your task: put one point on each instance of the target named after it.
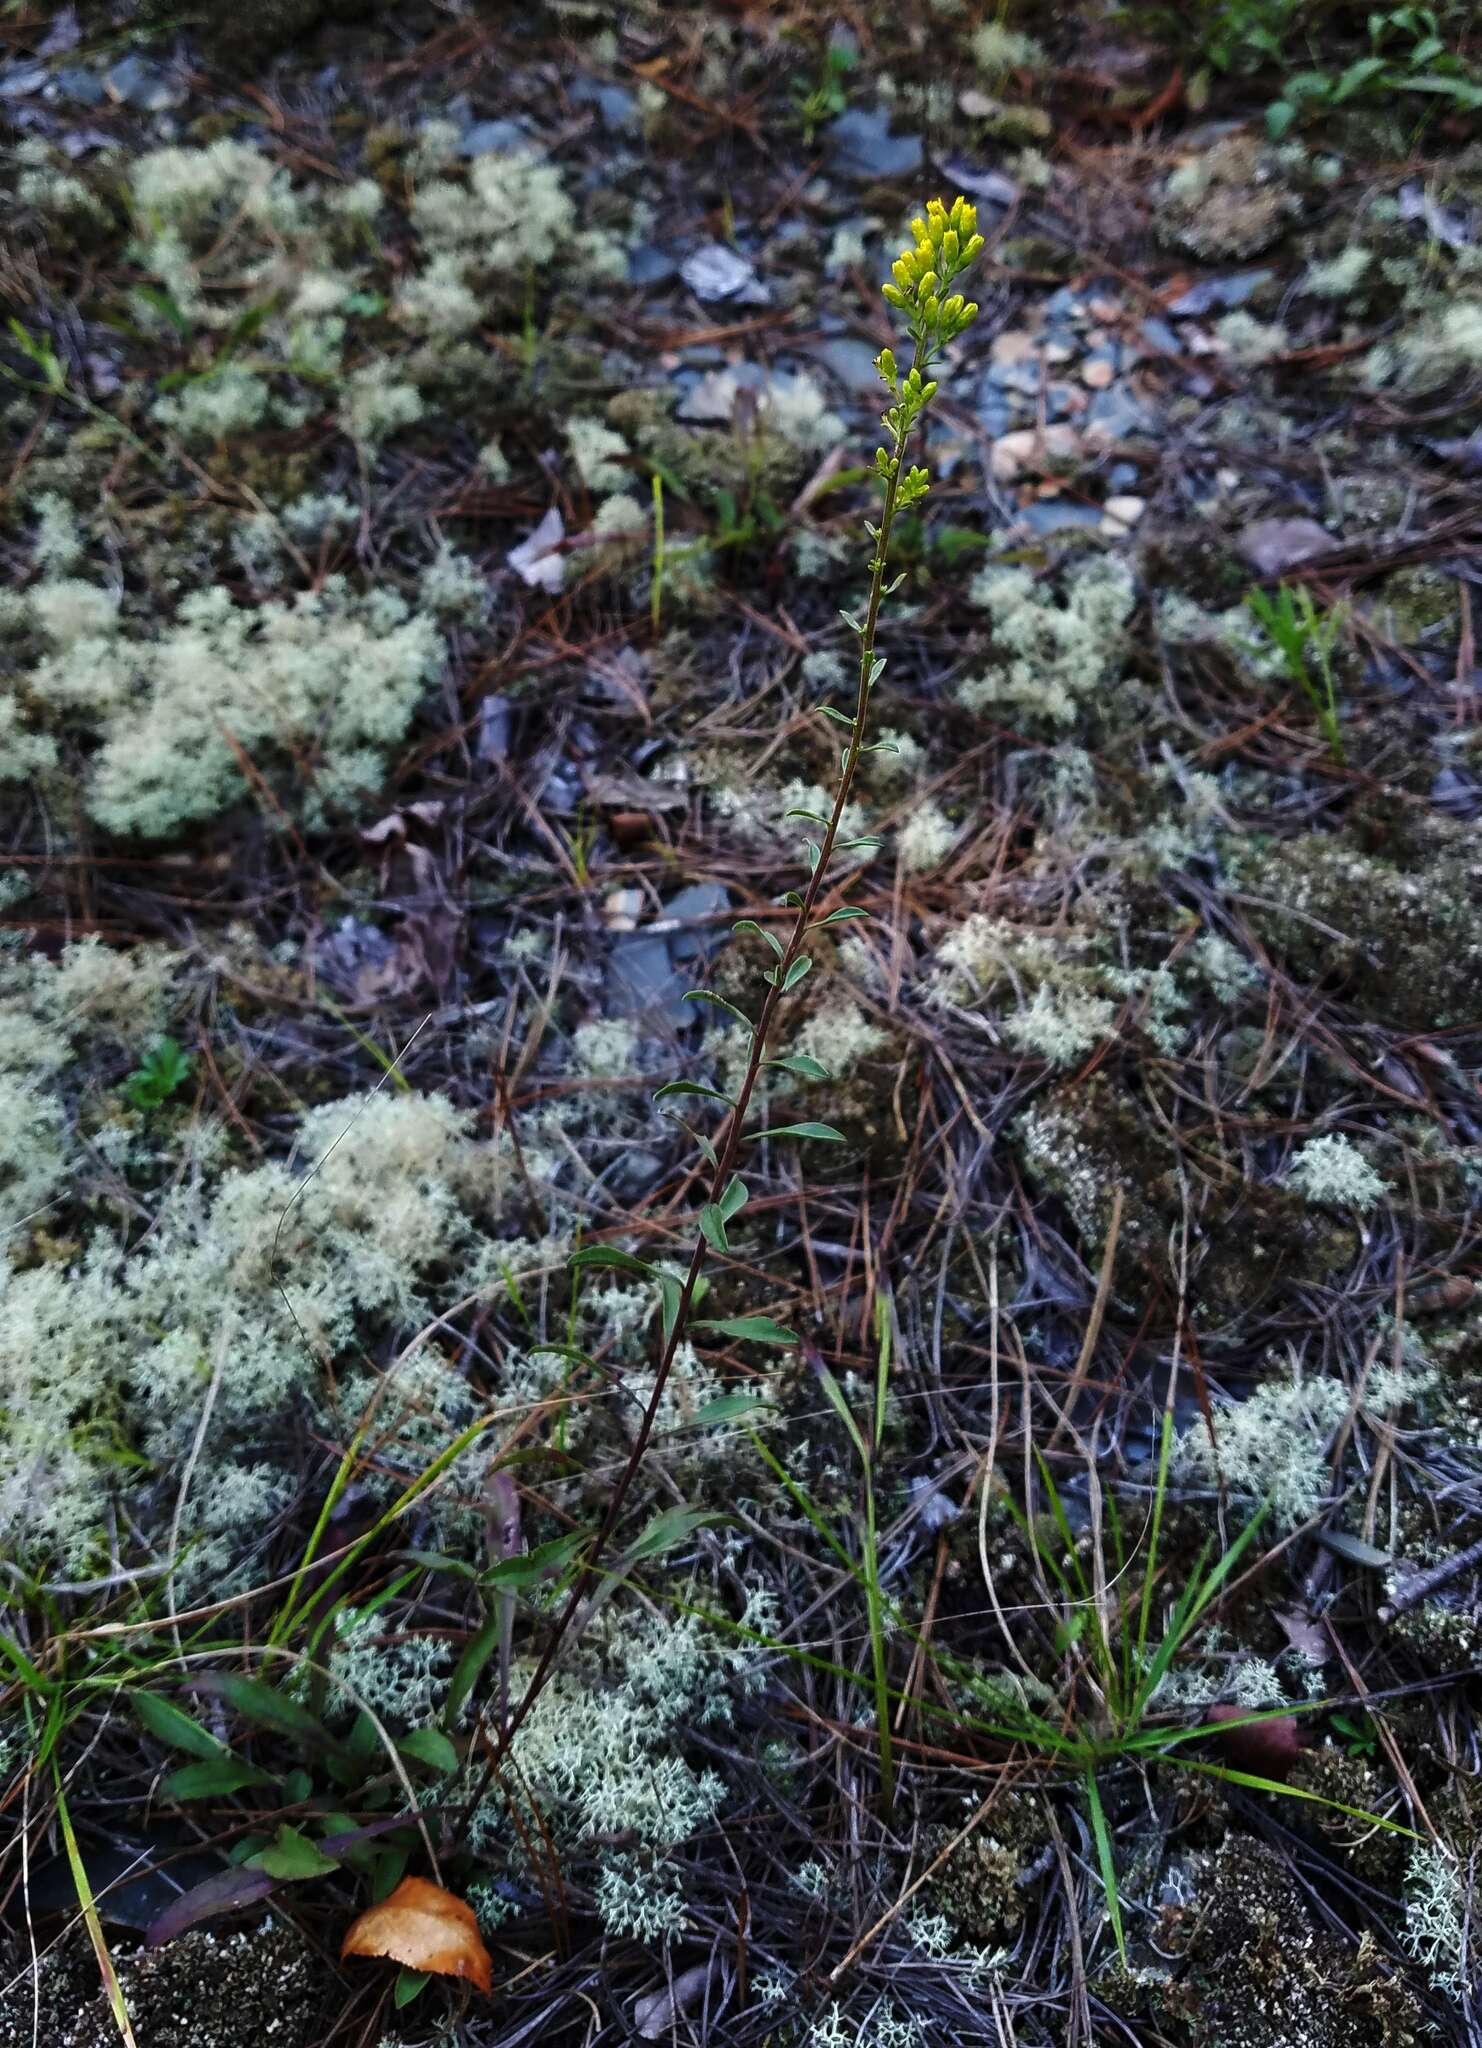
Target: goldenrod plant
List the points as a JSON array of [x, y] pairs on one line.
[[946, 241]]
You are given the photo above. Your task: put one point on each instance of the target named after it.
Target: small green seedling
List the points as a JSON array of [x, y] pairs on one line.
[[164, 1069], [828, 97], [1305, 637]]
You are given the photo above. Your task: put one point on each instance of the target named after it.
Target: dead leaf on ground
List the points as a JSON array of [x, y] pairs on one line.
[[424, 1927], [1266, 1748]]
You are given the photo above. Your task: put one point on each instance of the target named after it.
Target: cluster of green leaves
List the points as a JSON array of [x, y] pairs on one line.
[[1407, 54], [828, 95], [1305, 638], [1409, 51], [164, 1069]]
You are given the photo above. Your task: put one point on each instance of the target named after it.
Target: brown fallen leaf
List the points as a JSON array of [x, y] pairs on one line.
[[425, 1928], [1267, 1749]]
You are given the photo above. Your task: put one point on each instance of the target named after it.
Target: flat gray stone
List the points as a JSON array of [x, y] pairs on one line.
[[490, 138], [693, 906], [862, 147], [643, 980]]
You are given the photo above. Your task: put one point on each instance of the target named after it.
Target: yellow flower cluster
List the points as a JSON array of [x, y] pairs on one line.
[[946, 242]]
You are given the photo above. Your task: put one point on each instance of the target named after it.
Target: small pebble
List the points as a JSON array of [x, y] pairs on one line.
[[1120, 515]]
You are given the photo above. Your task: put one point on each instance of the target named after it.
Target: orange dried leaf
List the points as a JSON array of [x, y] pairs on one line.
[[426, 1928]]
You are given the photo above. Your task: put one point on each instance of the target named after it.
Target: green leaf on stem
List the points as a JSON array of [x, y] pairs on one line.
[[708, 995], [692, 1088], [803, 1065], [608, 1255], [757, 1329], [749, 924], [840, 916], [826, 1131]]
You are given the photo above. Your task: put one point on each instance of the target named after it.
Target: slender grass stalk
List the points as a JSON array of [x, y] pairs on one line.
[[656, 573], [946, 243]]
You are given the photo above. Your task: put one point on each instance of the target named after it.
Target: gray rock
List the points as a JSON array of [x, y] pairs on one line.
[[489, 138], [136, 83], [1057, 515], [693, 905], [851, 362], [19, 81], [1272, 545], [643, 980], [83, 88], [649, 264], [1117, 414], [1219, 294], [715, 272], [614, 103], [861, 147]]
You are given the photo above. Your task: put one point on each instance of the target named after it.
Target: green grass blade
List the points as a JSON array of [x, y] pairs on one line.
[[1106, 1862]]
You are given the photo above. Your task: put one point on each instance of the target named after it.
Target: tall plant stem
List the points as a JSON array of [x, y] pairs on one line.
[[733, 1129]]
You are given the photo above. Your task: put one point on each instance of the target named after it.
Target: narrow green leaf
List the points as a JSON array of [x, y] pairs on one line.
[[840, 916], [812, 817], [1107, 1863], [713, 1227], [842, 1409], [809, 1130], [168, 1724], [291, 1857], [759, 1329], [255, 1700], [470, 1667], [544, 1561], [735, 1197], [667, 1531], [693, 1088], [802, 1064], [607, 1255], [431, 1747], [729, 1408], [410, 1984], [838, 717], [435, 1561], [749, 924], [868, 842], [214, 1780], [670, 1296], [798, 971], [707, 995]]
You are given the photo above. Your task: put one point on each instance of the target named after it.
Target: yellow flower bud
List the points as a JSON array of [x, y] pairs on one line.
[[974, 248], [900, 270], [926, 286], [928, 392], [969, 311], [896, 297], [918, 228], [950, 247]]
